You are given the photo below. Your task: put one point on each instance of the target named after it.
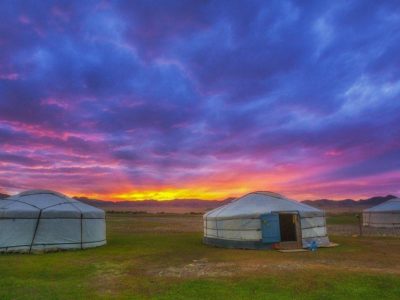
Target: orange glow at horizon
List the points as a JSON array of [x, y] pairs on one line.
[[220, 190], [235, 186], [201, 194], [293, 181], [215, 187]]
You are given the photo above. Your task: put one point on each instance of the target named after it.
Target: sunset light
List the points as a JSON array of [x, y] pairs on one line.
[[128, 101]]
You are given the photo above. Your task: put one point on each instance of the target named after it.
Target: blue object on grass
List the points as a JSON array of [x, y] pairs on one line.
[[313, 246]]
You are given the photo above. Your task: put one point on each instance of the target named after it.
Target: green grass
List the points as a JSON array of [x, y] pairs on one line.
[[298, 286], [344, 218], [157, 257]]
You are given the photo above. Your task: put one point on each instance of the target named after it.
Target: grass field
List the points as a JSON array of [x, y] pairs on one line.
[[162, 257], [342, 218]]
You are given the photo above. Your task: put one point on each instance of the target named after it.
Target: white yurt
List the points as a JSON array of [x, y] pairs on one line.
[[386, 214], [42, 220], [264, 220]]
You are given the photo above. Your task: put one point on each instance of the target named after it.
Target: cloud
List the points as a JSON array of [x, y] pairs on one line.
[[220, 96]]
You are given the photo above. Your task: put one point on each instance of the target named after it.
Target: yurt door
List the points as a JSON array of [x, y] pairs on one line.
[[289, 227], [270, 228]]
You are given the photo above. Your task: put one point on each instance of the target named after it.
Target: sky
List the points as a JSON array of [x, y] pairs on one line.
[[129, 100]]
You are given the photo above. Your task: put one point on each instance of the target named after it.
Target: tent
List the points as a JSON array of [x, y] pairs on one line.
[[42, 220], [263, 220], [386, 214]]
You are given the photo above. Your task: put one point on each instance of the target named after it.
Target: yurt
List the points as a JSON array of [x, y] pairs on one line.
[[42, 220], [265, 220], [386, 214]]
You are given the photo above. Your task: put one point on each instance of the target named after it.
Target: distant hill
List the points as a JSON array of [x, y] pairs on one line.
[[175, 206], [200, 206], [3, 196], [348, 204]]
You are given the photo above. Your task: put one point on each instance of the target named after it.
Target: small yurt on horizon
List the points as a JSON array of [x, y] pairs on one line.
[[265, 220], [386, 214], [43, 220]]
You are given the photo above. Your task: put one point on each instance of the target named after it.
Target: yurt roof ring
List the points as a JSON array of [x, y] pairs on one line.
[[40, 192]]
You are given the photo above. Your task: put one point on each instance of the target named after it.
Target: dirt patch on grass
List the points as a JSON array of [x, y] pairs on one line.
[[197, 268], [204, 268], [107, 277]]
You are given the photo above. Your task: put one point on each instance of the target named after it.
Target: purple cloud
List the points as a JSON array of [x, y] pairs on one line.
[[215, 95]]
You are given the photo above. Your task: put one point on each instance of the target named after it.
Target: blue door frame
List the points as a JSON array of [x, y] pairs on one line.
[[270, 228]]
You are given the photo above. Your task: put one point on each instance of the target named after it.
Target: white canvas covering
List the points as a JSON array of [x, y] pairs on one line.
[[42, 220], [240, 220], [386, 214]]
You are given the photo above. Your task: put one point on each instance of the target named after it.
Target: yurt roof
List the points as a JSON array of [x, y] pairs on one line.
[[258, 203], [390, 205], [51, 204]]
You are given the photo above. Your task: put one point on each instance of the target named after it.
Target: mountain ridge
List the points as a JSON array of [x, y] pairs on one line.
[[3, 196], [324, 203], [199, 205]]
